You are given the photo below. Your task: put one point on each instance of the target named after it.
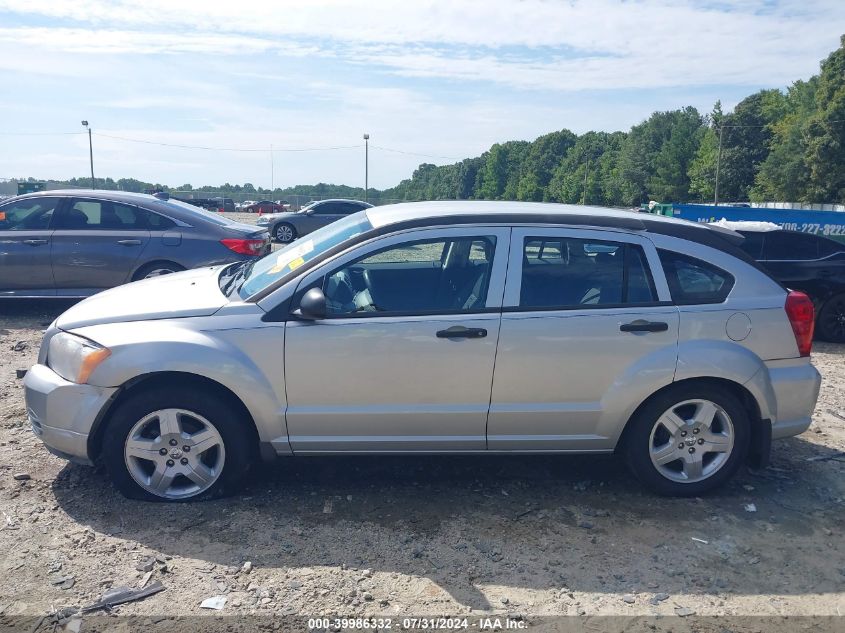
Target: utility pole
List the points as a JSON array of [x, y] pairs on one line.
[[366, 166], [718, 165], [90, 153], [272, 170]]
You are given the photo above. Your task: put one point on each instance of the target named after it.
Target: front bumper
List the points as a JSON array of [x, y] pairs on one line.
[[62, 413]]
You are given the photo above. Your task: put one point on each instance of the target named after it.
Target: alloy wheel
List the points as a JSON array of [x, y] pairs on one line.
[[833, 319], [284, 233], [691, 441], [174, 453]]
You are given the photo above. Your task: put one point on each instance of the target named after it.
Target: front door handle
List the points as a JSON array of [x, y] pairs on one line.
[[129, 242], [644, 326], [459, 331], [35, 242]]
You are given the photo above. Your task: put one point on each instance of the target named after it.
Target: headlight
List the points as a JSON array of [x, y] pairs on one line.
[[74, 358], [263, 220]]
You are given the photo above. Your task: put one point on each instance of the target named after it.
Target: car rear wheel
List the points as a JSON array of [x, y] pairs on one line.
[[831, 320], [157, 269], [688, 440], [284, 233], [170, 445]]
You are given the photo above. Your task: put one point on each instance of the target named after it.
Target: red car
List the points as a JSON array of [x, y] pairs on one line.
[[264, 206]]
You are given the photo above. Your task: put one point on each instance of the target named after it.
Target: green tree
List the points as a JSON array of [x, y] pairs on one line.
[[825, 151]]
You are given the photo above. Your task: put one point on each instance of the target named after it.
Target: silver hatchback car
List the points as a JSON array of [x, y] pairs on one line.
[[443, 327]]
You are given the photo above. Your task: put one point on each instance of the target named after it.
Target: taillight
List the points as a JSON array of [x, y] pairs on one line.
[[244, 247], [220, 210], [802, 317]]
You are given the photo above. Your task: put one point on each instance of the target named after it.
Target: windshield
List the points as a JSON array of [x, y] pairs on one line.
[[281, 263]]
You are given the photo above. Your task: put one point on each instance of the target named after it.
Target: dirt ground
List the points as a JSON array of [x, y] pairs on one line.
[[530, 536]]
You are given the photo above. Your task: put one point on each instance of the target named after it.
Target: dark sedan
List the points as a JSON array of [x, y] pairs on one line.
[[287, 226], [810, 263], [76, 243]]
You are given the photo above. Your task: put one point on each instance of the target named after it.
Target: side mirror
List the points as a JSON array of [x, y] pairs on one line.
[[309, 212], [312, 306]]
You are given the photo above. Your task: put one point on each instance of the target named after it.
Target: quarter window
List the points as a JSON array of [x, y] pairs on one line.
[[421, 277], [692, 281], [570, 273], [29, 214]]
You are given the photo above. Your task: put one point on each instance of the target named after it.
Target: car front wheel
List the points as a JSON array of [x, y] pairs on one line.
[[688, 440], [172, 445]]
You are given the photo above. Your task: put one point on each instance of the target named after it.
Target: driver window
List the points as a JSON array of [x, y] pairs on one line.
[[28, 214], [421, 277]]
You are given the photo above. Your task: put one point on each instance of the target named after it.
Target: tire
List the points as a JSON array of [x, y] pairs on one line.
[[284, 233], [139, 470], [156, 269], [830, 322], [729, 433]]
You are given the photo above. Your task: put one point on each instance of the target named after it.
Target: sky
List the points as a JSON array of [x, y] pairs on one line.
[[429, 80]]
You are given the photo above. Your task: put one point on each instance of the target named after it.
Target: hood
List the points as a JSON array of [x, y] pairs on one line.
[[186, 294]]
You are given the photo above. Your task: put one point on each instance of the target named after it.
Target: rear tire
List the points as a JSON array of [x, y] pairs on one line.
[[173, 444], [831, 319], [156, 269], [688, 440]]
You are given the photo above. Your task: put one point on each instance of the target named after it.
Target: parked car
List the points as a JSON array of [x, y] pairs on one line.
[[287, 226], [443, 327], [75, 243], [813, 264], [264, 206]]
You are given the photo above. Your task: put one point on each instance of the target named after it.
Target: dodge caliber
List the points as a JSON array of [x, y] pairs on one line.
[[444, 327]]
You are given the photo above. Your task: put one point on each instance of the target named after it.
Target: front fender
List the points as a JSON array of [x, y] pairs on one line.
[[239, 359]]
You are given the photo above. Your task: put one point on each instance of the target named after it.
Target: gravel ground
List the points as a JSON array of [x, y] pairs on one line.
[[526, 535], [386, 536]]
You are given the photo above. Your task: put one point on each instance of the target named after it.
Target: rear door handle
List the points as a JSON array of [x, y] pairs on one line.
[[459, 331], [129, 242], [644, 326], [35, 242]]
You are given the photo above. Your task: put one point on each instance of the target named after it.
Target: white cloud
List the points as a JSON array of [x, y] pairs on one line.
[[561, 45]]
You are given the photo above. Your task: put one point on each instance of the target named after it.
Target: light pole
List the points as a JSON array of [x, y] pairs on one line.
[[366, 166], [718, 165], [90, 153]]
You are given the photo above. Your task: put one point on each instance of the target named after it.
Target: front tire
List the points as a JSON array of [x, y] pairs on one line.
[[176, 445], [688, 440], [831, 319], [284, 233]]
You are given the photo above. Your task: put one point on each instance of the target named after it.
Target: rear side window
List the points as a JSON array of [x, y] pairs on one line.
[[559, 273], [103, 215], [693, 281]]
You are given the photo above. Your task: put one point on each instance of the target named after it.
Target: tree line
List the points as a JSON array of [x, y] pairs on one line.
[[776, 145]]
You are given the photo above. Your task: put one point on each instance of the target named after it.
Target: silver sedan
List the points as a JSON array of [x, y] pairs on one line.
[[437, 328]]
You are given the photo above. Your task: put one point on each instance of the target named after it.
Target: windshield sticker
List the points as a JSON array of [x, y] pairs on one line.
[[291, 254], [296, 263]]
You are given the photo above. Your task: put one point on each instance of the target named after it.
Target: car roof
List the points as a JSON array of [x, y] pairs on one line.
[[367, 204], [106, 194], [500, 212]]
